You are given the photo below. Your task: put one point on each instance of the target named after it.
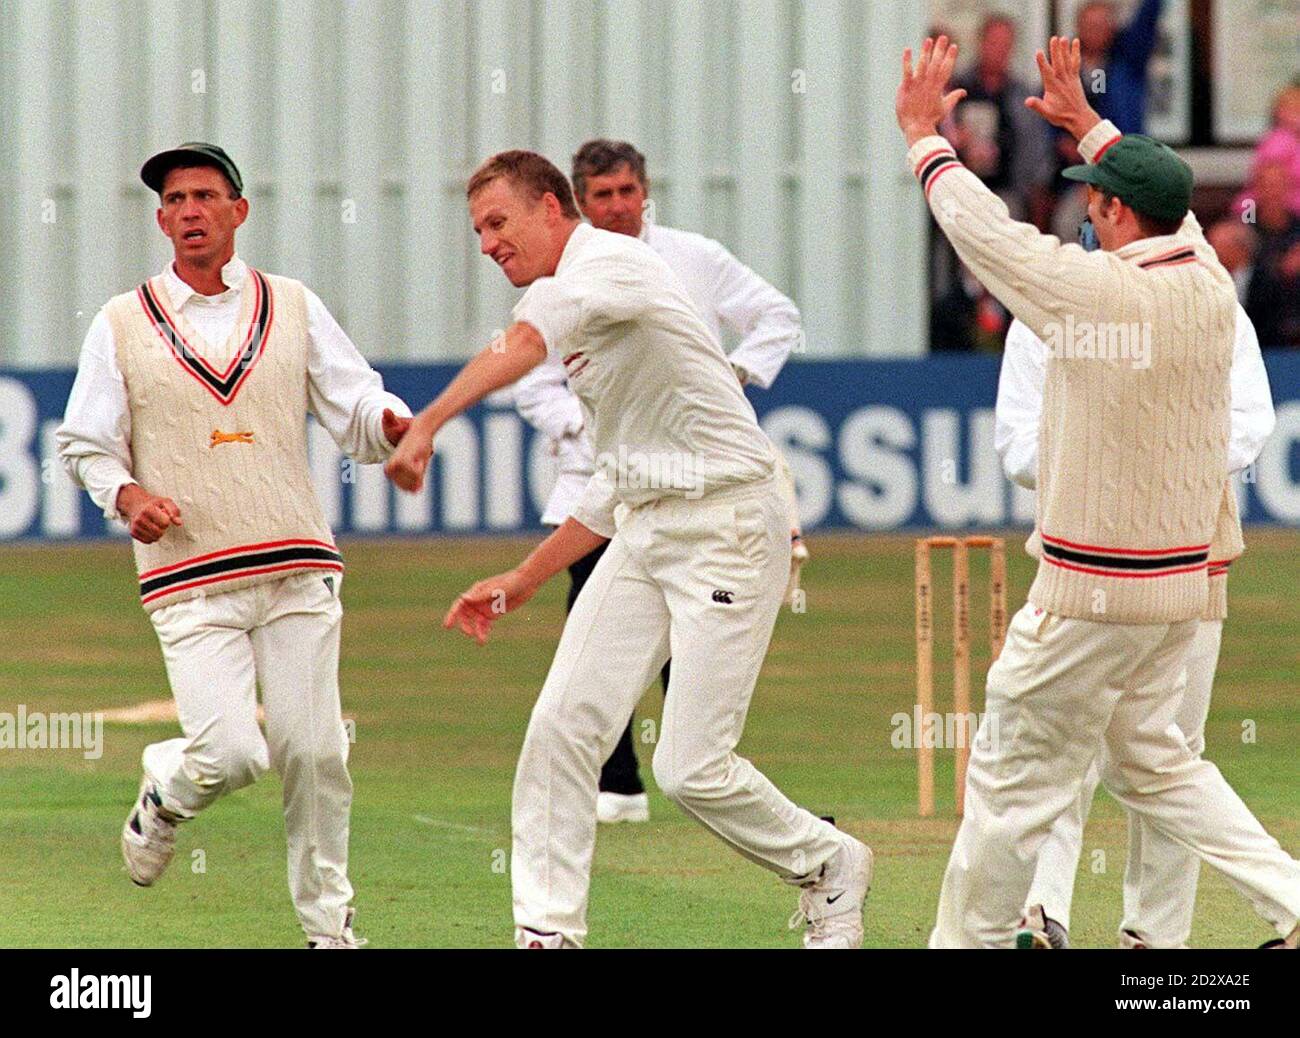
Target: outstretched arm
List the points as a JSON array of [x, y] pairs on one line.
[[1136, 42], [346, 394], [1033, 275], [518, 350], [475, 611]]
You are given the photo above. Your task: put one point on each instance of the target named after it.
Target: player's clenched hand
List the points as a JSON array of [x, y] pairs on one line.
[[923, 99], [151, 516], [394, 426], [475, 611], [410, 461], [1063, 103]]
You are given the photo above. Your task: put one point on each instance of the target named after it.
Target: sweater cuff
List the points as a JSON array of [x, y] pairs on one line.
[[1097, 140], [929, 158]]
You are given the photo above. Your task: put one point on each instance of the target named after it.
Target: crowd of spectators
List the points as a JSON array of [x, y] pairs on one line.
[[1020, 157]]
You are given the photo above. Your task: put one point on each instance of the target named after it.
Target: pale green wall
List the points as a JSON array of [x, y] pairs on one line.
[[768, 124]]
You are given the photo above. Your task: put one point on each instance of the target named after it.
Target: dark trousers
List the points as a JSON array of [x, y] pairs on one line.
[[621, 773]]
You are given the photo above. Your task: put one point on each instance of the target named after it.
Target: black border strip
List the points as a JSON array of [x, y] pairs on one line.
[[1177, 257], [1144, 564], [934, 165], [238, 562]]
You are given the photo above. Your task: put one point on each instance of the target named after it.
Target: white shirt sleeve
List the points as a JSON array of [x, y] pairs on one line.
[[545, 401], [95, 437], [343, 391], [768, 322], [596, 509], [1252, 402], [1020, 405]]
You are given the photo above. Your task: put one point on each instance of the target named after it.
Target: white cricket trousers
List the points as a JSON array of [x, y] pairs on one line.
[[1061, 691], [1161, 874], [281, 637], [701, 581]]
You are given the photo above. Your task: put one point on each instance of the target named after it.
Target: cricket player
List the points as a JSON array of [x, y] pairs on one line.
[[696, 563], [1132, 499], [1160, 876], [612, 192], [187, 421]]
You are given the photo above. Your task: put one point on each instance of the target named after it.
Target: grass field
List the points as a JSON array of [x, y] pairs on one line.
[[439, 722]]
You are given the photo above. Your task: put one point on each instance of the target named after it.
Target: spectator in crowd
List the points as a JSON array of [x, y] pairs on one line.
[[1114, 73], [1235, 243], [1273, 298], [1011, 151], [1280, 145], [967, 316], [996, 136], [1121, 56]]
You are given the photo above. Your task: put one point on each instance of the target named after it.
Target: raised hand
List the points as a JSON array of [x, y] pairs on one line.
[[923, 99], [1063, 103], [475, 611]]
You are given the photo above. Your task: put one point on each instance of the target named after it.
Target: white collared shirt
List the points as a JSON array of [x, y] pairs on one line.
[[344, 393], [727, 295], [1020, 401]]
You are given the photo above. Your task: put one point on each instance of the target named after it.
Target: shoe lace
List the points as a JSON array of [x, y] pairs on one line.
[[811, 912]]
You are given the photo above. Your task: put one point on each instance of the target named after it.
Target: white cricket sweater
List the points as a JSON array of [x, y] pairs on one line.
[[1133, 443], [219, 428]]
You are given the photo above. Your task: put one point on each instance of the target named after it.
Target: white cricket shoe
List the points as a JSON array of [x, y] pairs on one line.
[[622, 807], [148, 837], [526, 938], [345, 940], [831, 904], [1130, 940]]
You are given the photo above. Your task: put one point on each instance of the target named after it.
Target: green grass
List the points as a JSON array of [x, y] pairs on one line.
[[439, 722]]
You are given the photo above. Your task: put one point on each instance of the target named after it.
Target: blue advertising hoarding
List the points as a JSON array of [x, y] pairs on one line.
[[874, 445]]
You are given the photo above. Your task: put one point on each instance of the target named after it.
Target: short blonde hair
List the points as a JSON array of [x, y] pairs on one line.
[[535, 173]]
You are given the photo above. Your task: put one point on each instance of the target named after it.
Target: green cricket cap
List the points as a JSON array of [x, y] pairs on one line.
[[1144, 174], [193, 153]]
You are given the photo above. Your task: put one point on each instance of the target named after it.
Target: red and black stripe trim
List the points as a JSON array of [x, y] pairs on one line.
[[224, 385], [1220, 568], [231, 563], [1124, 562], [1185, 254], [933, 165]]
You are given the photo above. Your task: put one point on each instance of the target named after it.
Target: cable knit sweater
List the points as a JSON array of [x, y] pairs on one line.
[[1134, 434]]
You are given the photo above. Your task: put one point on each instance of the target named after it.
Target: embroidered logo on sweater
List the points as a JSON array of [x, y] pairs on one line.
[[224, 385], [218, 437]]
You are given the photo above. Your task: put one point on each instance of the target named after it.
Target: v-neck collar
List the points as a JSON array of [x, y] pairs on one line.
[[189, 347]]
